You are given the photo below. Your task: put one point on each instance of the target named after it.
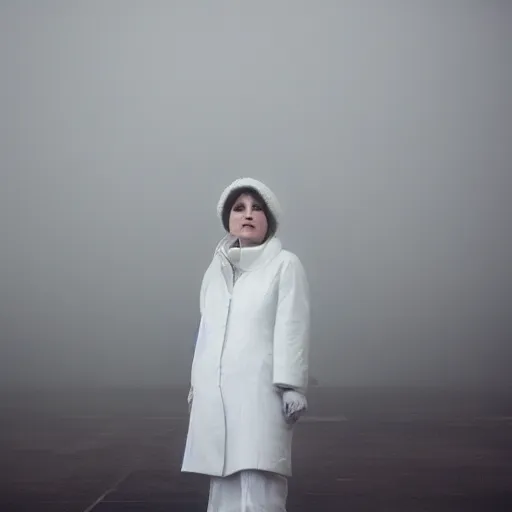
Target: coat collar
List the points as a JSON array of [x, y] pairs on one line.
[[248, 258]]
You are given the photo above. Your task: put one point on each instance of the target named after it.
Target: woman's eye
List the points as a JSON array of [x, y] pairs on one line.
[[256, 207]]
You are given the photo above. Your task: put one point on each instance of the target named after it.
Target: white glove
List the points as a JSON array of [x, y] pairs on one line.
[[190, 398], [294, 404]]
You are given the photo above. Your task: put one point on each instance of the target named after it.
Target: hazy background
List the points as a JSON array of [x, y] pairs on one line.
[[384, 127]]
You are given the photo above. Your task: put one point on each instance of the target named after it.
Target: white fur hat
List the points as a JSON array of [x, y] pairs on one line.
[[267, 195]]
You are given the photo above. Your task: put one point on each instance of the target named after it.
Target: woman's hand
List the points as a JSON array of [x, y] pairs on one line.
[[294, 404]]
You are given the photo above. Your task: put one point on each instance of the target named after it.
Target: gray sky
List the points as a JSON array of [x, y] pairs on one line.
[[384, 128]]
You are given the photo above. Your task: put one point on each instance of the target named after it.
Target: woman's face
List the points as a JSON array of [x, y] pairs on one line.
[[247, 221]]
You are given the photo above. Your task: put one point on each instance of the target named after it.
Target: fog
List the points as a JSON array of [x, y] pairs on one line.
[[383, 127]]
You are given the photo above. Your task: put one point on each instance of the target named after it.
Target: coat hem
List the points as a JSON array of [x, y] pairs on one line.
[[286, 474]]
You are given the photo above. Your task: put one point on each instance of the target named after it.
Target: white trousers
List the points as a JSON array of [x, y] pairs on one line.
[[248, 491]]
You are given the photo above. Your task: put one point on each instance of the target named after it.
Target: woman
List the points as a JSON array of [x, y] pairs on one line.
[[250, 366]]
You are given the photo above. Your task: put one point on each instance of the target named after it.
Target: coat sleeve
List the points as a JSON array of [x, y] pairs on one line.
[[202, 292], [292, 328], [204, 285]]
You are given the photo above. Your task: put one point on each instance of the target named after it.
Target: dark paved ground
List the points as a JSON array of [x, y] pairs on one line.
[[392, 450]]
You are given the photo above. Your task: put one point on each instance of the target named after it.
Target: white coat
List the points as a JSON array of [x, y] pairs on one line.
[[253, 338]]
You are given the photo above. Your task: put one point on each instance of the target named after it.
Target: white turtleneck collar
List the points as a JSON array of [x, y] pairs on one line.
[[244, 257], [248, 258]]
